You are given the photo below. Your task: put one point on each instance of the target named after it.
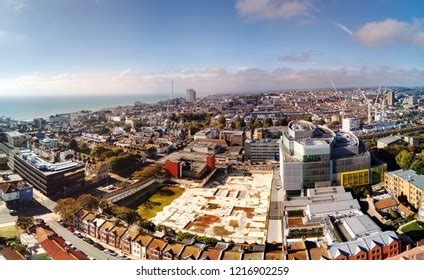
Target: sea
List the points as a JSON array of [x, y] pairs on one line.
[[30, 107]]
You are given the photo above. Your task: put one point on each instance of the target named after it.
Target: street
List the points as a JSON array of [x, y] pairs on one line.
[[80, 244]]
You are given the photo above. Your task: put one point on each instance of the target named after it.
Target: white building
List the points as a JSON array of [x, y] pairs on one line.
[[351, 124], [190, 95]]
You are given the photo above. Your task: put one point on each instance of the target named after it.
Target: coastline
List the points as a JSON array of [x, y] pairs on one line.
[[26, 108]]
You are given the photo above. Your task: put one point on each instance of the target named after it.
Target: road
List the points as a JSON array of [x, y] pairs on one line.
[[80, 244], [275, 225]]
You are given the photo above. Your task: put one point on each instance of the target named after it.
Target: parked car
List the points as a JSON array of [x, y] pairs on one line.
[[98, 246], [13, 212], [88, 240], [110, 252], [122, 256], [78, 234]]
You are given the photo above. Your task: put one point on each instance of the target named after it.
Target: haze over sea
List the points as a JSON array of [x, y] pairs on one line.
[[29, 107]]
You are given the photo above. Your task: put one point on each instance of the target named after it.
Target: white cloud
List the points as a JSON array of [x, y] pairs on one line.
[[207, 81], [388, 31], [272, 9], [300, 57]]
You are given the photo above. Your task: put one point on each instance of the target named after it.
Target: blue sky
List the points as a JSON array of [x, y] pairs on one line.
[[117, 47]]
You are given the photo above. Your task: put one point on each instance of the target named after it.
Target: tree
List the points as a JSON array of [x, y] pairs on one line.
[[73, 145], [24, 222], [404, 159], [151, 152], [148, 225], [66, 208], [84, 148], [129, 216], [149, 171], [268, 122], [239, 123], [321, 122], [257, 123], [88, 202], [121, 163], [220, 122], [183, 236], [282, 122], [418, 166]]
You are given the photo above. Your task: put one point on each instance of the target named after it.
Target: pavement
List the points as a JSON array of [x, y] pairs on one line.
[[275, 226], [80, 244], [372, 212], [5, 218]]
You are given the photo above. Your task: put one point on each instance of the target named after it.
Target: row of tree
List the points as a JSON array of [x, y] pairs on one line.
[[67, 207], [409, 160]]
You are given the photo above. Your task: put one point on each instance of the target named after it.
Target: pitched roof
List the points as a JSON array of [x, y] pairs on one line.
[[174, 249], [191, 251], [55, 251], [253, 256], [211, 254], [81, 213], [157, 244], [232, 255], [11, 254], [144, 240], [386, 203]]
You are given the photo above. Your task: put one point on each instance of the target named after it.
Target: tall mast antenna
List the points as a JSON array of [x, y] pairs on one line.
[[172, 89]]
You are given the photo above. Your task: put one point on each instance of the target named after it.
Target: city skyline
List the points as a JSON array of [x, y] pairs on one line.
[[101, 47]]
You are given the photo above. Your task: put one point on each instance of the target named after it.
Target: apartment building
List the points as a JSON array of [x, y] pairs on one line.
[[406, 184]]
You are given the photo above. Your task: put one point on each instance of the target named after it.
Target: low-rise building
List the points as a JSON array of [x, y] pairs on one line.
[[139, 246], [378, 246], [15, 192]]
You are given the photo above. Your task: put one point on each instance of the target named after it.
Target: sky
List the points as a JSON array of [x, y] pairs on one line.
[[97, 47]]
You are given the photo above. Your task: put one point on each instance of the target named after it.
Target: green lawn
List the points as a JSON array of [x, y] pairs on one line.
[[41, 257], [163, 197], [10, 232], [413, 226]]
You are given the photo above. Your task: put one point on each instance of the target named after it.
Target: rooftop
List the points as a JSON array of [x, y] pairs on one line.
[[44, 166], [411, 176], [389, 139], [360, 225]]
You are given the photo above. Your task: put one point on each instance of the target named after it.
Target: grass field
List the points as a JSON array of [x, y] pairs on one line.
[[9, 232], [41, 257], [161, 198], [413, 226]]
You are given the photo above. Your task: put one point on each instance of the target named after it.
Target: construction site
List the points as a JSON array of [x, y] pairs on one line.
[[233, 208]]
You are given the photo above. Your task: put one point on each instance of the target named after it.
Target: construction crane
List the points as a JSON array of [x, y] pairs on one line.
[[372, 105], [343, 102]]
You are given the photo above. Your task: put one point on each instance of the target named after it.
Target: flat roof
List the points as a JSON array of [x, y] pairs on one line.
[[334, 207], [411, 176], [389, 139], [44, 166]]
